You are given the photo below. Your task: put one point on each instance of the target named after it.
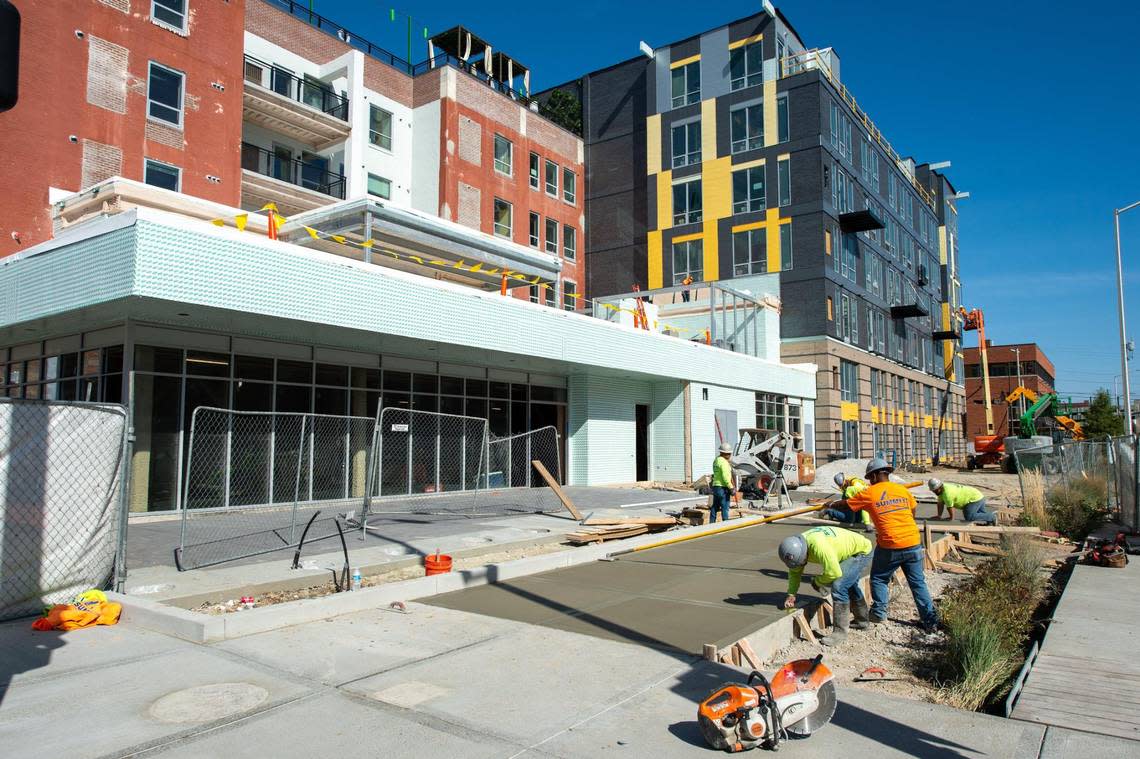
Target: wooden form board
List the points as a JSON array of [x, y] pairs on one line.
[[553, 485]]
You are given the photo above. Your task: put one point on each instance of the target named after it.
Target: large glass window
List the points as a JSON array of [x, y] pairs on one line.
[[170, 12], [162, 175], [534, 177], [569, 242], [786, 247], [552, 236], [771, 412], [687, 202], [746, 128], [688, 261], [503, 152], [842, 191], [502, 218], [552, 178], [840, 131], [748, 190], [746, 65], [850, 256], [379, 186], [164, 94], [569, 186], [535, 225], [870, 160], [687, 144], [569, 295], [687, 84], [849, 380], [380, 127], [748, 254], [784, 178], [782, 126]]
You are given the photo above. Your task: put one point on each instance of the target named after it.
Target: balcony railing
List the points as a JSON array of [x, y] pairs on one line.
[[474, 69], [308, 91], [303, 10], [307, 174]]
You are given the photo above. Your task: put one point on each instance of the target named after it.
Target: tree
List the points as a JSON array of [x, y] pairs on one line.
[[1103, 419], [565, 110]]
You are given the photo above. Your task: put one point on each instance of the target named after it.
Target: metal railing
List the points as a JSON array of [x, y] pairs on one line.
[[816, 60], [307, 91], [309, 175], [303, 12], [476, 70]]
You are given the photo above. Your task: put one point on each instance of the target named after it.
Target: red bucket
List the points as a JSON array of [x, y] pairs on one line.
[[438, 564]]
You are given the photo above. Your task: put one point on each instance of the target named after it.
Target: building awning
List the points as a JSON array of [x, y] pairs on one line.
[[908, 310], [470, 256], [859, 221], [947, 334]]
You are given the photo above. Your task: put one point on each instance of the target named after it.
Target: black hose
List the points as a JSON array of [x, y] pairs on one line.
[[301, 544], [344, 547]]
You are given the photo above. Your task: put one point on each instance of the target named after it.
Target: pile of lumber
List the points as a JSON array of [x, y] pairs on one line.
[[601, 529]]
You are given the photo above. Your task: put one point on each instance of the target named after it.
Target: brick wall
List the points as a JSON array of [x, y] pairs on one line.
[[382, 78], [470, 140], [107, 75], [100, 162], [291, 33], [469, 206]]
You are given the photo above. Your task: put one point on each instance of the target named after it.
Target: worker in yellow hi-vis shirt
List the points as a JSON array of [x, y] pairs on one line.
[[723, 484], [844, 556]]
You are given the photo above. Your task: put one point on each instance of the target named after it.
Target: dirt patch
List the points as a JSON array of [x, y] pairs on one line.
[[233, 605], [898, 645]]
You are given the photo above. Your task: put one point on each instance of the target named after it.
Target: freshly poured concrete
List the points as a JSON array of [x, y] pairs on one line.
[[716, 590]]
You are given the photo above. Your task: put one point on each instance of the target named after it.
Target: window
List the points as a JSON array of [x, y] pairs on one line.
[[892, 190], [380, 127], [785, 247], [748, 256], [848, 318], [569, 295], [873, 275], [535, 225], [552, 236], [687, 84], [569, 186], [534, 179], [830, 309], [552, 178], [503, 155], [842, 191], [502, 218], [747, 128], [771, 412], [849, 380], [783, 132], [542, 293], [535, 294], [840, 131], [688, 261], [687, 202], [746, 65], [380, 187], [569, 242], [849, 253], [170, 12], [686, 144], [784, 180], [164, 94], [876, 385], [162, 175], [870, 161], [748, 190]]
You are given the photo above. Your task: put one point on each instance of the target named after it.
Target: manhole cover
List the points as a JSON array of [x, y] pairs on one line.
[[205, 703]]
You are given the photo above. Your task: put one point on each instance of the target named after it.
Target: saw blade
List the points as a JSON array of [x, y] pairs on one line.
[[822, 714]]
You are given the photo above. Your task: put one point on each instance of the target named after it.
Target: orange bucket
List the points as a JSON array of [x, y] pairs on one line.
[[438, 564]]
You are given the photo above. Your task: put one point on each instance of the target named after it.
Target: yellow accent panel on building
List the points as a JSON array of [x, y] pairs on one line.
[[664, 200], [685, 61], [748, 164], [708, 129], [653, 144], [771, 123], [849, 412], [772, 222], [656, 263], [688, 238], [711, 251], [716, 185], [874, 414], [745, 41], [928, 421], [942, 245], [749, 227]]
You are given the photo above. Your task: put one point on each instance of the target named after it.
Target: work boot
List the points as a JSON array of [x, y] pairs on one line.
[[842, 622], [861, 613]]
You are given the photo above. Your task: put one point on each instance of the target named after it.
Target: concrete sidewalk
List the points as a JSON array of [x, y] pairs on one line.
[[432, 682]]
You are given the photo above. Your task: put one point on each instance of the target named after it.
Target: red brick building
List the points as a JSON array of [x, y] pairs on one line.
[[1007, 363], [106, 89]]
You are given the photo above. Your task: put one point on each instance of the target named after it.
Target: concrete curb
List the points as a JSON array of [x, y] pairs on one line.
[[204, 628]]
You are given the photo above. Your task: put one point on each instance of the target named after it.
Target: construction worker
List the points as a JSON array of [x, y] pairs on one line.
[[969, 500], [892, 510], [844, 556], [847, 488], [687, 281], [723, 484]]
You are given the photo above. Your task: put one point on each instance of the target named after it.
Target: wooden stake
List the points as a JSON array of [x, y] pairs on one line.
[[709, 652], [749, 653], [926, 543], [553, 485], [803, 627]]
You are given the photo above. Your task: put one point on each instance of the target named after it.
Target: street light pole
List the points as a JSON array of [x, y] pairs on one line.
[[1123, 333], [1021, 398]]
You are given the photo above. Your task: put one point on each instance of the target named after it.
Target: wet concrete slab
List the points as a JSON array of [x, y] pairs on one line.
[[715, 589]]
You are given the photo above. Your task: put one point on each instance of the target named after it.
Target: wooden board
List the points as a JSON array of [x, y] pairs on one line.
[[971, 529], [602, 534], [749, 654], [602, 521], [803, 627], [553, 485]]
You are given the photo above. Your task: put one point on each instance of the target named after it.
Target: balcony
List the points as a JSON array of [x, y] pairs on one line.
[[909, 310], [302, 108], [293, 184]]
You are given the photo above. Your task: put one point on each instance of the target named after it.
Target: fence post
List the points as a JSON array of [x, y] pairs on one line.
[[186, 483], [297, 478], [1135, 482], [125, 487]]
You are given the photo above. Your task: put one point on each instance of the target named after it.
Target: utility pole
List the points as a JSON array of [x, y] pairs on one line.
[[1021, 398], [1123, 333]]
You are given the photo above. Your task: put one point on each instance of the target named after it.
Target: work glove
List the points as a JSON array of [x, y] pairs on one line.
[[823, 590], [790, 601]]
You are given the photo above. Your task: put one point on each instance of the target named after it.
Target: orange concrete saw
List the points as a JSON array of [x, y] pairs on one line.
[[798, 700]]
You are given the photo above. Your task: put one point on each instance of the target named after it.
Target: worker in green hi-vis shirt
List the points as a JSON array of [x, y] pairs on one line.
[[723, 484], [969, 500]]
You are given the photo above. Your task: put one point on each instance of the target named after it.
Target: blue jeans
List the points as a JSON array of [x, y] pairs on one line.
[[977, 512], [846, 588], [886, 561], [842, 515], [721, 499]]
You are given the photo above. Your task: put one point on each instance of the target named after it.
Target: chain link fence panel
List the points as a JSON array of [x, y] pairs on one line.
[[514, 484], [1042, 469], [62, 501], [255, 479], [1127, 478]]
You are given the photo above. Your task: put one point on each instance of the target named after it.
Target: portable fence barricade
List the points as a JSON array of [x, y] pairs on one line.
[[1043, 469], [255, 479], [63, 472]]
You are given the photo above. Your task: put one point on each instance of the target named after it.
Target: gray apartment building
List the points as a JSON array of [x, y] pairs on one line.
[[739, 151]]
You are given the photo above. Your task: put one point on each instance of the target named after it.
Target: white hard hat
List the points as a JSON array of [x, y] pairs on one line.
[[934, 484], [793, 551], [840, 479], [725, 448]]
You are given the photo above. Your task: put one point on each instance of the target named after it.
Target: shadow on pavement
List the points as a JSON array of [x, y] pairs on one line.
[[23, 649], [897, 735]]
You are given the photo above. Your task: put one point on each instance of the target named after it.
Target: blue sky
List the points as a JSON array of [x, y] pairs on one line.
[[1036, 104]]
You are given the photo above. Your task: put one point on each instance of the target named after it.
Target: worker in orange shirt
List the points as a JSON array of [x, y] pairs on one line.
[[687, 282], [892, 507]]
